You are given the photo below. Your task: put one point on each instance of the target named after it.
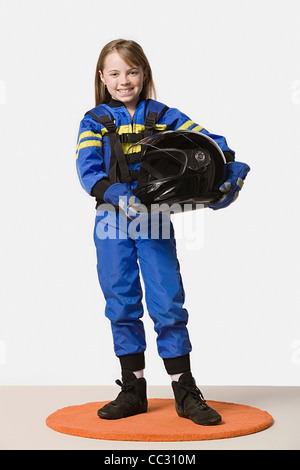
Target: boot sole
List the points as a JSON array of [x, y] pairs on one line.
[[208, 423], [106, 416]]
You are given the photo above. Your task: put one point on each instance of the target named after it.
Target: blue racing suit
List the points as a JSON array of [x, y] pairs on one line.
[[119, 257]]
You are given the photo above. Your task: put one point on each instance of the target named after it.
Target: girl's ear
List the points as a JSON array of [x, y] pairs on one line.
[[101, 77], [146, 73]]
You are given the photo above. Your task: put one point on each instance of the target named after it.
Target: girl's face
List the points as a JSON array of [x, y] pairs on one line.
[[123, 81]]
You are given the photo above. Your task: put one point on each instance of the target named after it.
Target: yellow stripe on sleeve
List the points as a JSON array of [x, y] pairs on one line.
[[186, 125], [86, 134], [197, 128], [88, 143]]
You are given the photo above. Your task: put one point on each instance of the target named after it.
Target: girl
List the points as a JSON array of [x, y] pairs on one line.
[[125, 113]]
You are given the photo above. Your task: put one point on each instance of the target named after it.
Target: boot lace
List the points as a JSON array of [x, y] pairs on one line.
[[125, 398], [196, 394], [125, 386]]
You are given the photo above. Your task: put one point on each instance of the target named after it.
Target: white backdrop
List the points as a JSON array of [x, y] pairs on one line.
[[231, 66]]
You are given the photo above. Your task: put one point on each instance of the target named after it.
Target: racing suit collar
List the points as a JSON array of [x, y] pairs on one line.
[[117, 104]]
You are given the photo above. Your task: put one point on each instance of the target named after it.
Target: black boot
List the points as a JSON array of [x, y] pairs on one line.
[[132, 399], [190, 403]]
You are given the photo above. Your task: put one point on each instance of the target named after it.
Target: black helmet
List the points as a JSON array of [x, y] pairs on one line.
[[183, 167]]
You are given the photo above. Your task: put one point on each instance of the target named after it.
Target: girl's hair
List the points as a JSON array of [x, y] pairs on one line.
[[133, 54]]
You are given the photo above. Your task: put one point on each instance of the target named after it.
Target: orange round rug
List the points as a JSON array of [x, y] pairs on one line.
[[160, 424]]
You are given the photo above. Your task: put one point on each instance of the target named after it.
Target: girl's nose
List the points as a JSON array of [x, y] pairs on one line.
[[124, 79]]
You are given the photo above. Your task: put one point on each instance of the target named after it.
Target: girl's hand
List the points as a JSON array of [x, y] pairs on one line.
[[132, 207], [236, 174], [120, 196]]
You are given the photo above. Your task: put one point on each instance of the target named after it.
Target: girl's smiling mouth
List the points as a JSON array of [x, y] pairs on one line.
[[125, 90]]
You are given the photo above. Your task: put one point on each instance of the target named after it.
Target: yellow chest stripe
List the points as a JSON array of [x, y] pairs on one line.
[[126, 129]]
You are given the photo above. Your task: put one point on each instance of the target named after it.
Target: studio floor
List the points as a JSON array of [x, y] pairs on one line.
[[23, 411]]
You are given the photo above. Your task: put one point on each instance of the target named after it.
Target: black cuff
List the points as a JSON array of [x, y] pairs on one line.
[[132, 362], [229, 157], [99, 188], [176, 365]]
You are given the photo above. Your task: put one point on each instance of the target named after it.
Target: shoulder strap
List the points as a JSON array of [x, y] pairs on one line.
[[156, 107], [155, 110], [150, 123], [97, 112], [117, 158]]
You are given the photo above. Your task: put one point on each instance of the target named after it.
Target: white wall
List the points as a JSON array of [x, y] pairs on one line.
[[231, 66]]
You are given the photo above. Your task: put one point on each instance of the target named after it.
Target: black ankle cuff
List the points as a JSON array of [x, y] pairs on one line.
[[176, 365], [132, 362]]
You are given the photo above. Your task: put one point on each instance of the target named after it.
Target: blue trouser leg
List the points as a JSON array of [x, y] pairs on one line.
[[164, 294], [118, 273]]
